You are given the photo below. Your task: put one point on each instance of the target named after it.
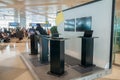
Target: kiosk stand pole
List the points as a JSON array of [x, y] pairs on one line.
[[57, 57], [87, 51], [34, 45], [43, 49]]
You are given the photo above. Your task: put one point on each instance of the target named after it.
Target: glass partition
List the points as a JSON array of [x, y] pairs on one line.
[[116, 39]]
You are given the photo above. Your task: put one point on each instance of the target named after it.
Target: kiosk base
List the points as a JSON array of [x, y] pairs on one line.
[[87, 66], [57, 75]]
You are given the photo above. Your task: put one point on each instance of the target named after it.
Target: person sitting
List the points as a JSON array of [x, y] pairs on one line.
[[5, 37], [13, 33], [19, 35]]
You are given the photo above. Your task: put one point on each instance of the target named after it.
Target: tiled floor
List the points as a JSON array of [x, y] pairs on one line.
[[117, 58], [13, 68], [115, 75], [11, 65]]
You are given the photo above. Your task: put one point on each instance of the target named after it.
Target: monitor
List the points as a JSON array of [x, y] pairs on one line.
[[13, 24], [88, 33], [83, 23], [69, 25], [33, 24]]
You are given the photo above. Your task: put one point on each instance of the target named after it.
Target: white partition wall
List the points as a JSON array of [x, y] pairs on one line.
[[101, 12]]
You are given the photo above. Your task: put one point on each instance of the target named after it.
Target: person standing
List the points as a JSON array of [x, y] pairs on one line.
[[41, 30]]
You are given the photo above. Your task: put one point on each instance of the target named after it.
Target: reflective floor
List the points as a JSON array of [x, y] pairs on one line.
[[115, 74], [11, 65], [117, 58], [13, 68]]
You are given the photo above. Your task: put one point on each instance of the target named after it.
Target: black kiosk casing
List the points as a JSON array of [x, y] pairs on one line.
[[87, 49], [57, 56], [33, 44], [44, 50]]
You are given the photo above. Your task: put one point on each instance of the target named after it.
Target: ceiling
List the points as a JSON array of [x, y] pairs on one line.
[[46, 8], [37, 8]]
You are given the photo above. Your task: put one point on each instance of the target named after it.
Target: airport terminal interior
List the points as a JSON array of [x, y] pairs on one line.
[[20, 55]]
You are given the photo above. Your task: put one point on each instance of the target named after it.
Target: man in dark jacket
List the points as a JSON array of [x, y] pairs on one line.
[[41, 30]]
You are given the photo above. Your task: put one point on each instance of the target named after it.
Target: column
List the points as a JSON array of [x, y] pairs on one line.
[[16, 16], [22, 19]]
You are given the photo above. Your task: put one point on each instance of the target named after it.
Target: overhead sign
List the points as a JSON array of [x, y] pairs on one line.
[[59, 18]]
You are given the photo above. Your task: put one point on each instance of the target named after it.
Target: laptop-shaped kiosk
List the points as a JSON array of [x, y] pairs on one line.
[[88, 33]]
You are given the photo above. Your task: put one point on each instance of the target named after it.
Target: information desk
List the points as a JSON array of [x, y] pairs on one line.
[[43, 49], [57, 56], [87, 51], [33, 44]]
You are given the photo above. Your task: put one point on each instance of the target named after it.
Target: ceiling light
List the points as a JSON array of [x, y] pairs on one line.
[[20, 0]]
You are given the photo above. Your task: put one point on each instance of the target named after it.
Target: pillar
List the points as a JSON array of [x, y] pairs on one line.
[[22, 19]]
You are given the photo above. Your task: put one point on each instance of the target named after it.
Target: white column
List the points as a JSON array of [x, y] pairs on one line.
[[22, 19], [16, 16]]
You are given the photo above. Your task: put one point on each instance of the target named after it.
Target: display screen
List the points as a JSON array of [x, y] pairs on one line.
[[47, 25], [69, 25], [83, 24], [13, 24], [33, 24]]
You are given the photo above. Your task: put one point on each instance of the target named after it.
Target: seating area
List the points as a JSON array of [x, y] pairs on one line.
[[9, 35]]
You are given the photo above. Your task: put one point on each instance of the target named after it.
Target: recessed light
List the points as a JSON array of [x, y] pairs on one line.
[[20, 0]]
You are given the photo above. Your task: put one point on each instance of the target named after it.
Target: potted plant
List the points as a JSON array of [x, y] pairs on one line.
[[54, 31]]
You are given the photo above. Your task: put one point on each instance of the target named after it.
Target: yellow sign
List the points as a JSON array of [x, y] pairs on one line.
[[59, 18]]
